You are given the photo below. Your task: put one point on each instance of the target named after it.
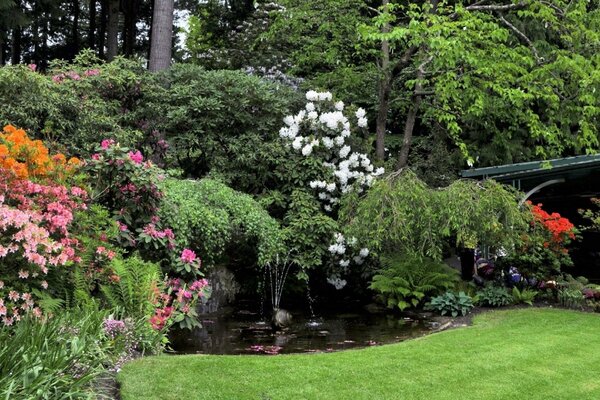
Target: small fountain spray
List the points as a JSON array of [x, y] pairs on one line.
[[313, 322], [278, 272]]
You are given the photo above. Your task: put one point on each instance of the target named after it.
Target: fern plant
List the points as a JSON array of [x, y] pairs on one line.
[[525, 296], [405, 281], [132, 289]]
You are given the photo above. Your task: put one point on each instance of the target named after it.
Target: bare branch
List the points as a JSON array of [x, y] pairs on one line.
[[497, 7], [521, 36], [558, 10], [404, 60]]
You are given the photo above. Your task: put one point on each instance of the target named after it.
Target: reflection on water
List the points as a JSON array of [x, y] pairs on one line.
[[244, 333]]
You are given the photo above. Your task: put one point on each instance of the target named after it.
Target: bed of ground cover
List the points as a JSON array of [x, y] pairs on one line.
[[525, 353]]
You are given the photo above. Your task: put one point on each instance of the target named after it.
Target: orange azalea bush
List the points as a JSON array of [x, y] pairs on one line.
[[29, 158]]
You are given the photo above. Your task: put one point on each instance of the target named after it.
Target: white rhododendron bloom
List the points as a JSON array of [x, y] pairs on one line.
[[362, 122], [310, 107], [337, 282], [364, 252], [344, 151], [331, 187], [297, 144], [306, 150], [339, 106], [327, 142], [311, 95], [344, 263], [313, 115], [360, 113]]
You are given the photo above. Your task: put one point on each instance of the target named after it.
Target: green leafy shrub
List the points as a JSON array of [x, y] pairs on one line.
[[571, 298], [208, 215], [405, 281], [451, 303], [525, 296], [494, 296]]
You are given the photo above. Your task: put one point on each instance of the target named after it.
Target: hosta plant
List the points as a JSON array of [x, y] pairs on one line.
[[451, 303]]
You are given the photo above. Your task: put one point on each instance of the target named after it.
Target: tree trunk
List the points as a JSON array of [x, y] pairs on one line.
[[411, 118], [130, 11], [385, 86], [92, 26], [75, 29], [16, 46], [162, 32], [112, 30], [102, 30]]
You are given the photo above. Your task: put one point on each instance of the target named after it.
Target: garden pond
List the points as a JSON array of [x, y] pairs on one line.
[[244, 332]]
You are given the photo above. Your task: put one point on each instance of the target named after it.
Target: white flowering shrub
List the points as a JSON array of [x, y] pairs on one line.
[[322, 129]]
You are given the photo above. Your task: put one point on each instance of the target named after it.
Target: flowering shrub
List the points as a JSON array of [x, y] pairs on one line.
[[177, 305], [126, 184], [561, 230], [543, 249], [34, 226], [322, 131], [30, 158], [325, 130]]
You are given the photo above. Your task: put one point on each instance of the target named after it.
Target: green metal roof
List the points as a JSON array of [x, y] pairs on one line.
[[534, 169]]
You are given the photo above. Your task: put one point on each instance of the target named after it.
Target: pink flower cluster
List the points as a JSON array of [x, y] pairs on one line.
[[136, 157], [188, 256], [34, 235], [61, 77], [180, 298]]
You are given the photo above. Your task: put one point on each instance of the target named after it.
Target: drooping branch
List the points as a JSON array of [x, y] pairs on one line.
[[522, 37]]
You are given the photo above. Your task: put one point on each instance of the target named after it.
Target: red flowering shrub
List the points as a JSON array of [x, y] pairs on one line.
[[561, 230], [543, 251]]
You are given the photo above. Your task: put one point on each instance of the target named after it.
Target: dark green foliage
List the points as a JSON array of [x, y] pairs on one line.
[[225, 123], [494, 296], [210, 216], [77, 114], [308, 230], [404, 281], [525, 296], [451, 303]]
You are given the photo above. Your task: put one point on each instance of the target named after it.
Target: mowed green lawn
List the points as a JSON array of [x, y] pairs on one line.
[[517, 354]]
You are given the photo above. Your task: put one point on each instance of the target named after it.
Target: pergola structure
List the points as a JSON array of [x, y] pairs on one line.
[[563, 185], [578, 175]]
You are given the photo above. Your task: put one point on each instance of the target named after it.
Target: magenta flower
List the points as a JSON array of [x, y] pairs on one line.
[[92, 72], [32, 67], [188, 256], [136, 157], [106, 143]]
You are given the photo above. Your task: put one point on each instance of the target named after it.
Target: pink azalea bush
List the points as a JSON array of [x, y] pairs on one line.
[[34, 239]]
